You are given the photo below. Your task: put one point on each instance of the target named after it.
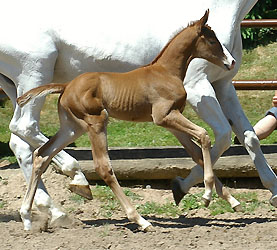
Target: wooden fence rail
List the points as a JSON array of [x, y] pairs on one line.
[[255, 84], [259, 23]]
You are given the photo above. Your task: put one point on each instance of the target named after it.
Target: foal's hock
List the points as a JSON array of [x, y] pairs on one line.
[[153, 92]]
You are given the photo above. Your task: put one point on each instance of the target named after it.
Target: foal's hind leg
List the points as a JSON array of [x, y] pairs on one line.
[[69, 131], [98, 136]]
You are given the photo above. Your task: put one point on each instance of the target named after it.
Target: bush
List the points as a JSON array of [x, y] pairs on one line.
[[252, 37]]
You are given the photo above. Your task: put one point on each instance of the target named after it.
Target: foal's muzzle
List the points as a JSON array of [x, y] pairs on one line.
[[230, 66]]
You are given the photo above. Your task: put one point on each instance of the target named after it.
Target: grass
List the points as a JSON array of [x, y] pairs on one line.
[[108, 199], [110, 204], [154, 208], [257, 64], [2, 204], [6, 111], [77, 198]]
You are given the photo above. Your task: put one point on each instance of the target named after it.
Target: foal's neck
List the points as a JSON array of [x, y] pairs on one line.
[[176, 54]]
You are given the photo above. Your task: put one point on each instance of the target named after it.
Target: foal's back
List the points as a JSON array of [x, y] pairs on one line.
[[126, 96]]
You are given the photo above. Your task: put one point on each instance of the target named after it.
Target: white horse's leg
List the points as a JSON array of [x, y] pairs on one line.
[[25, 121], [25, 124], [243, 129], [42, 199], [23, 153], [42, 156]]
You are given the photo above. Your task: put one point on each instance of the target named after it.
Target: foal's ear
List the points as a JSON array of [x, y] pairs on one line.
[[203, 20]]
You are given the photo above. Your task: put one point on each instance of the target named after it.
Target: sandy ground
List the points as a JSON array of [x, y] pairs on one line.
[[88, 229]]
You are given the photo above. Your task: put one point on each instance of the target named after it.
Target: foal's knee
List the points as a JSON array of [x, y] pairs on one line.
[[39, 162], [205, 143], [205, 138], [159, 120], [105, 171]]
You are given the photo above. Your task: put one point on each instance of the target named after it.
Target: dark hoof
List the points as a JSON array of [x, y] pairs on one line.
[[82, 190], [178, 194], [206, 202]]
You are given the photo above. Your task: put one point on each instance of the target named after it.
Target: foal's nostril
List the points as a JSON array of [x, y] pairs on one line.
[[232, 65]]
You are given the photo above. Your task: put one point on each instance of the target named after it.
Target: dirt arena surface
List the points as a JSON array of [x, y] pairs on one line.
[[89, 230]]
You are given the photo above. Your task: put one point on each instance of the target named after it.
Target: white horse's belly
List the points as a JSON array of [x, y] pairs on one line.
[[73, 60], [102, 36], [95, 35]]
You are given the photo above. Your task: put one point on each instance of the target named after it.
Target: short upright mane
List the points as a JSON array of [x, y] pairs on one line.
[[175, 34]]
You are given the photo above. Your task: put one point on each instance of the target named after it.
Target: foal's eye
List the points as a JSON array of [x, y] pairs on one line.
[[211, 42]]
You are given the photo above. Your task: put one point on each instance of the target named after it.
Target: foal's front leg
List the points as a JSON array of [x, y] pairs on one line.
[[176, 121], [97, 130], [195, 152]]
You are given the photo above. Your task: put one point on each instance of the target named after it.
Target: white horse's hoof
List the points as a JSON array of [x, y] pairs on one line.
[[26, 219], [273, 200], [27, 225], [82, 190]]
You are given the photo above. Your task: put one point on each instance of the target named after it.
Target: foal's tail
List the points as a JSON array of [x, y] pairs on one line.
[[40, 91]]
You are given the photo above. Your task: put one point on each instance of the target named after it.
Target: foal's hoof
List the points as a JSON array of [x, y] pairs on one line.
[[206, 202], [238, 208], [273, 200], [82, 190], [148, 229], [178, 194]]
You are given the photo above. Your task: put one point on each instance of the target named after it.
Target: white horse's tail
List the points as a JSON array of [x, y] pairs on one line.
[[40, 91]]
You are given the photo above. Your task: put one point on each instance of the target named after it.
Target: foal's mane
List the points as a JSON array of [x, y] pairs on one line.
[[175, 34]]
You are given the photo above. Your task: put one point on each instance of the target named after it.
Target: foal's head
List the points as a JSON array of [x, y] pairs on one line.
[[208, 47]]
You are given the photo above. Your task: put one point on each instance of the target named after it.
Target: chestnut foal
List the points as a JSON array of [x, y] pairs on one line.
[[154, 92]]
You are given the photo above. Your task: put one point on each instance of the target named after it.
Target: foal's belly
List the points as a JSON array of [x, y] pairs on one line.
[[139, 115]]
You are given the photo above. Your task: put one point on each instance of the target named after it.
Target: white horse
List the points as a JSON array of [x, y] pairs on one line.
[[42, 42]]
